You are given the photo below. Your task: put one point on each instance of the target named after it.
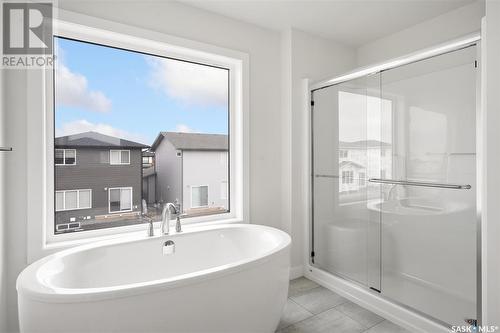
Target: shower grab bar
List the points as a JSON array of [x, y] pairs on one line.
[[326, 176], [423, 184], [5, 148]]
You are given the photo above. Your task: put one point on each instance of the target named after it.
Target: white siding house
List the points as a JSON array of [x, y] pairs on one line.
[[362, 160], [192, 170]]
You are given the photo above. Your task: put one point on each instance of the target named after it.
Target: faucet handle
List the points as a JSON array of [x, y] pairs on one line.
[[178, 226]]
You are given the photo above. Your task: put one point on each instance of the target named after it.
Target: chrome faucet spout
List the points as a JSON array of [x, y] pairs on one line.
[[165, 217]]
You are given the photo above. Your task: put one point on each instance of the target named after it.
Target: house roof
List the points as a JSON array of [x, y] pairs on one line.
[[363, 144], [350, 163], [95, 139], [193, 141]]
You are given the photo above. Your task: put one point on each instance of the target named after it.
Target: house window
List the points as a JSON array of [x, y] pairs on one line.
[[343, 153], [199, 196], [65, 157], [73, 199], [120, 199], [118, 157], [347, 177]]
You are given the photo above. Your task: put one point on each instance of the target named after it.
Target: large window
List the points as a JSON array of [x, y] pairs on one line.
[[118, 107], [120, 199], [73, 199]]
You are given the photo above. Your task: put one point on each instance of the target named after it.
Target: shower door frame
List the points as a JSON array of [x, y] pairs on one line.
[[451, 46]]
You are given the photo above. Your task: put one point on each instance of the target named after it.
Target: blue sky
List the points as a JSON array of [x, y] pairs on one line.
[[135, 96]]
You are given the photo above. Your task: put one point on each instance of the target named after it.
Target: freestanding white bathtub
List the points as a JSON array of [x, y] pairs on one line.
[[226, 278]]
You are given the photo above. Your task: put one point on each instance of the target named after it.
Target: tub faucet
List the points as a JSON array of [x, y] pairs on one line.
[[165, 217]]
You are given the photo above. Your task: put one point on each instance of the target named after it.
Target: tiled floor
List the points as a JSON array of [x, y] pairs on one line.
[[311, 308]]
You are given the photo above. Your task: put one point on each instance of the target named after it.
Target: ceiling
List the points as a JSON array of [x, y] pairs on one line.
[[352, 22]]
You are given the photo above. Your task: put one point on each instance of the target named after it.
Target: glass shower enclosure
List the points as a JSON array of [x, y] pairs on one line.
[[394, 183]]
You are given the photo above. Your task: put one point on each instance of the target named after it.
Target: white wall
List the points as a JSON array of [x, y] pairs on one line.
[[312, 58], [454, 24], [491, 213], [213, 173], [176, 19], [16, 185], [3, 156]]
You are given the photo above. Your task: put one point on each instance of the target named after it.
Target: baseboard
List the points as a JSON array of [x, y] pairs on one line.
[[373, 302], [296, 272]]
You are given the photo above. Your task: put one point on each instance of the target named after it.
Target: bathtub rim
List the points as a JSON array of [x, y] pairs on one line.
[[28, 284]]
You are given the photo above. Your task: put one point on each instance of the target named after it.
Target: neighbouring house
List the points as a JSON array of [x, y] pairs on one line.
[[98, 179], [148, 177], [352, 176], [192, 170], [361, 160], [149, 185], [148, 159]]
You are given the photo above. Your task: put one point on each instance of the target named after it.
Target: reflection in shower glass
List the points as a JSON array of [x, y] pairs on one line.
[[348, 146], [364, 150]]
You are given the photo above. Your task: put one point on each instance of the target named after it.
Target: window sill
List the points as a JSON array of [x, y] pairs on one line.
[[130, 232]]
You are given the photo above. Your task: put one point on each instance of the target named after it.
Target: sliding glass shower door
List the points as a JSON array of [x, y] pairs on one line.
[[346, 122], [429, 233], [394, 184]]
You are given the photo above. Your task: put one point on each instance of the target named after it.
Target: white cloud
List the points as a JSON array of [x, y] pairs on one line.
[[82, 125], [184, 128], [190, 83], [72, 90]]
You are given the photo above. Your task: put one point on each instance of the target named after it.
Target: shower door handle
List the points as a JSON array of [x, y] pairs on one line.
[[422, 184], [5, 148]]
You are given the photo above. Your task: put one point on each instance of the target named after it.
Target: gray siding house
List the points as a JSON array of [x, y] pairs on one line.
[[192, 170], [98, 180], [148, 177]]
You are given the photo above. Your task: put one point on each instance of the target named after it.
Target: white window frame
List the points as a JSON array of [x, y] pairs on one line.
[[41, 240], [208, 195], [131, 199], [64, 156], [121, 152], [77, 199]]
